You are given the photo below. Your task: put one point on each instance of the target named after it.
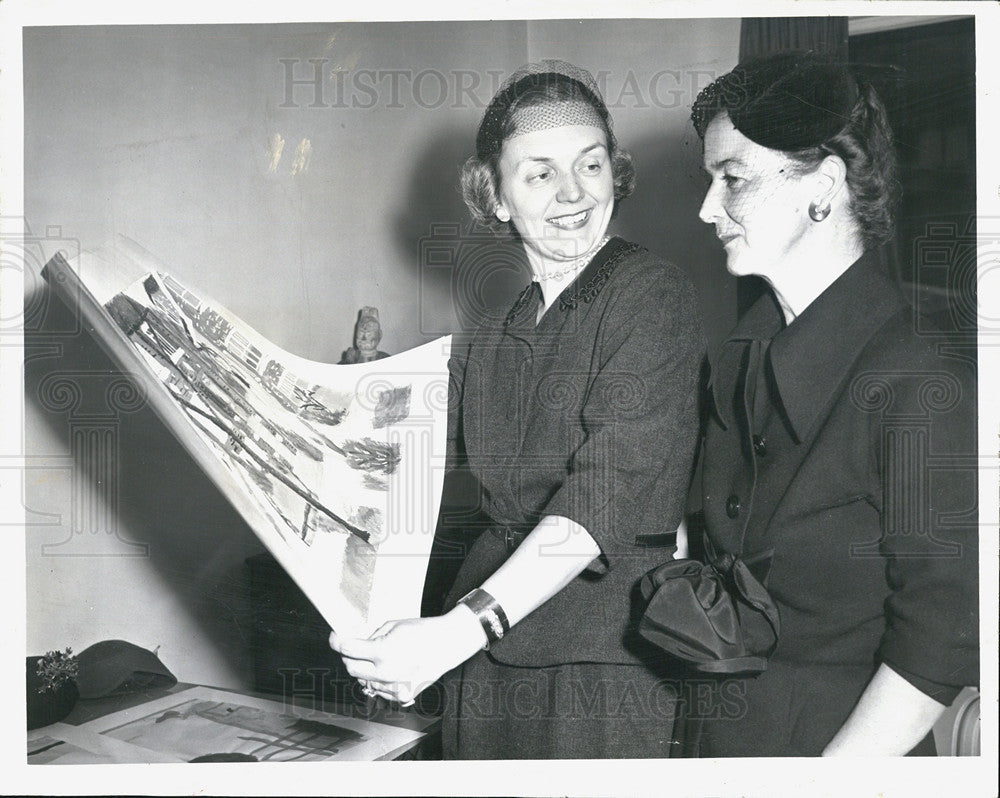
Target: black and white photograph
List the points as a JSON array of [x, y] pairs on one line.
[[513, 397]]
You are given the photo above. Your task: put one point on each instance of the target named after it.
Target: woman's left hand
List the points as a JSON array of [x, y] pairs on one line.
[[404, 657]]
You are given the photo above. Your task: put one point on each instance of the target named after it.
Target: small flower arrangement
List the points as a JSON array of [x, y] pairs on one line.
[[55, 669]]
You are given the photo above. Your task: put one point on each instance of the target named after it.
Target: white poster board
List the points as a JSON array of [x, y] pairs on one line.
[[337, 469]]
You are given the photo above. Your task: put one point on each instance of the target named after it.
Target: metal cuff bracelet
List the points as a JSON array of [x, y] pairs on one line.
[[490, 614]]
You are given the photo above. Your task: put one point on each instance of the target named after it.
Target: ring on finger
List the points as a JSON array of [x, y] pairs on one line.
[[368, 690]]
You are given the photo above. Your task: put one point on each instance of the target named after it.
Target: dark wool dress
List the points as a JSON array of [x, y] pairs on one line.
[[840, 458], [591, 415]]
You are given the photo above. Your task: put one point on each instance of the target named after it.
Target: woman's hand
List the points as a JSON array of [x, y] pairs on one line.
[[891, 717], [404, 657]]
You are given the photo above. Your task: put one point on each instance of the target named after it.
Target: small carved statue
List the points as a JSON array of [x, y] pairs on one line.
[[367, 335]]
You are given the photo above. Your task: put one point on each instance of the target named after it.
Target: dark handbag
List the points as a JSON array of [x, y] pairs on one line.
[[717, 617]]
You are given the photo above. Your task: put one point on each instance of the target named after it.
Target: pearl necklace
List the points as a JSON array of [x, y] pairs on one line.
[[574, 266]]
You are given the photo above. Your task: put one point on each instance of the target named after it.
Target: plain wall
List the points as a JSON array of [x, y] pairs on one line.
[[167, 135]]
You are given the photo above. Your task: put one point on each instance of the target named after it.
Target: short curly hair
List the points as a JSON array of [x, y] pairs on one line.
[[808, 106], [480, 176]]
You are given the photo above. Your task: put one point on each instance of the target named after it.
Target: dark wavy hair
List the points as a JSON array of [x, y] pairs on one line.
[[480, 177], [809, 106]]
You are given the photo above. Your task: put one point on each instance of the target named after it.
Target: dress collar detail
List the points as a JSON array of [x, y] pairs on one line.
[[587, 284], [591, 280], [807, 369]]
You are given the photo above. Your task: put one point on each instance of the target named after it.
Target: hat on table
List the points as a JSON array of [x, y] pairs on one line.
[[112, 667]]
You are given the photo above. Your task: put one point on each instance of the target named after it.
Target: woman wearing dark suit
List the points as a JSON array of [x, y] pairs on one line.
[[839, 456], [576, 413]]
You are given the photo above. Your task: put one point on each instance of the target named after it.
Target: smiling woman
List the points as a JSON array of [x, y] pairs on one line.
[[558, 192], [580, 434]]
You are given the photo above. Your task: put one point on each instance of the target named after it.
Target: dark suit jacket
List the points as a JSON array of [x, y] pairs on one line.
[[591, 415], [840, 455]]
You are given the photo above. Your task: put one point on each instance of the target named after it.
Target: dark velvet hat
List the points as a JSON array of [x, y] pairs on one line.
[[117, 666], [788, 101]]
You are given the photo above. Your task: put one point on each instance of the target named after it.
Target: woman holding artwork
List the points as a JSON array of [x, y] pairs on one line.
[[832, 454], [577, 414]]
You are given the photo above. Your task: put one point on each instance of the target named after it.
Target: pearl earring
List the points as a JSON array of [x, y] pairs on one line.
[[502, 214], [819, 213]]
